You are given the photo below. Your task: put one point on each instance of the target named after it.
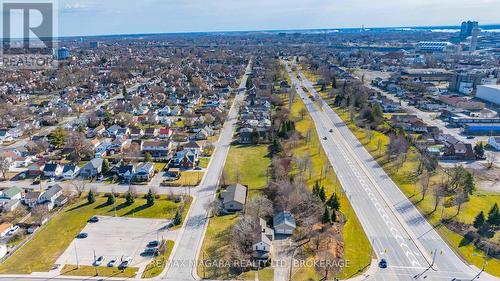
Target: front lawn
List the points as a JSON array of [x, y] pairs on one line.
[[41, 252], [204, 162], [189, 178]]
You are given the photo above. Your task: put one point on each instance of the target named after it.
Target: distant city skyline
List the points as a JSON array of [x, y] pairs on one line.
[[93, 17]]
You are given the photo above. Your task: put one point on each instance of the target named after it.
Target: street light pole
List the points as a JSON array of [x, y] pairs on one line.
[[76, 255]]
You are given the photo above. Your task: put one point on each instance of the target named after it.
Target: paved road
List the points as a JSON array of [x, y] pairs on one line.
[[182, 266], [396, 229]]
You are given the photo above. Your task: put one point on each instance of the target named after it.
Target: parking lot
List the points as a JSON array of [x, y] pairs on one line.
[[114, 238]]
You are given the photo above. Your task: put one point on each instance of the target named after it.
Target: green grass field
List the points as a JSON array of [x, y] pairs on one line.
[[215, 246], [41, 252], [188, 178], [103, 271], [157, 265], [250, 164]]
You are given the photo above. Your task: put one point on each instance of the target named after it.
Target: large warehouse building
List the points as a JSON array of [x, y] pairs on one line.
[[489, 93]]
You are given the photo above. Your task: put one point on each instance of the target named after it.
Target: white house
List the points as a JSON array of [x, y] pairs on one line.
[[51, 194], [70, 172], [494, 142]]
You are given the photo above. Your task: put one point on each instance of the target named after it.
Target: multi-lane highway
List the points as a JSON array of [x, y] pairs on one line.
[[397, 230]]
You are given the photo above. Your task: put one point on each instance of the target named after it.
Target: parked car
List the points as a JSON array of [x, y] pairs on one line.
[[153, 244], [94, 219], [98, 261], [471, 137], [112, 263], [13, 230], [331, 131], [82, 235], [150, 251], [382, 263], [125, 263]]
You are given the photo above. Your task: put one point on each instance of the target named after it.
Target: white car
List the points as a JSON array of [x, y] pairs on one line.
[[13, 230]]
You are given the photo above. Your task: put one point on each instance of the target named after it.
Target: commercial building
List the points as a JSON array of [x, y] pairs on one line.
[[490, 93], [467, 28], [62, 53], [435, 46], [483, 129]]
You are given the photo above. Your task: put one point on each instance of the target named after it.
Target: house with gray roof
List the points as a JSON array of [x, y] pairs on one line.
[[92, 169], [11, 193], [234, 198], [284, 223]]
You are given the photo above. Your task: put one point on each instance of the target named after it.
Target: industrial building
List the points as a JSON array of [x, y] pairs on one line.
[[490, 93]]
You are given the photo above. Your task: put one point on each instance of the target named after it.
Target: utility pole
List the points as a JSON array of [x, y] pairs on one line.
[[76, 255]]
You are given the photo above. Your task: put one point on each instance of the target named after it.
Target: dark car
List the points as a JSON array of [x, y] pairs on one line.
[[153, 244], [123, 265], [470, 137], [325, 138], [82, 235], [382, 263], [94, 219], [331, 131]]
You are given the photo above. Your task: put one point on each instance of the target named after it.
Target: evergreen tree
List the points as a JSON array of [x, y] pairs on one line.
[[129, 199], [326, 216], [334, 202], [91, 197], [494, 216], [111, 199], [479, 220], [479, 150], [334, 216], [58, 137], [334, 82], [316, 189], [177, 218], [105, 166], [321, 194], [150, 198], [469, 185]]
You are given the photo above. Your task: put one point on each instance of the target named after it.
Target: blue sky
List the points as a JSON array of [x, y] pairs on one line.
[[92, 17]]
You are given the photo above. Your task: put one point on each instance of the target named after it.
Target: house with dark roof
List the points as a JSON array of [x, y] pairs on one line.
[[70, 171], [126, 172], [52, 170]]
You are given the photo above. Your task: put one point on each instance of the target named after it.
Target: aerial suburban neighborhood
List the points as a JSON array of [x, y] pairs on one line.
[[296, 154]]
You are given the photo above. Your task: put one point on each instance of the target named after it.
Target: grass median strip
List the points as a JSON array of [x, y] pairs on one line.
[[157, 265], [104, 271]]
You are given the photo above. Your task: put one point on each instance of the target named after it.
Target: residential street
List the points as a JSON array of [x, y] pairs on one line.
[[396, 229], [187, 246]]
